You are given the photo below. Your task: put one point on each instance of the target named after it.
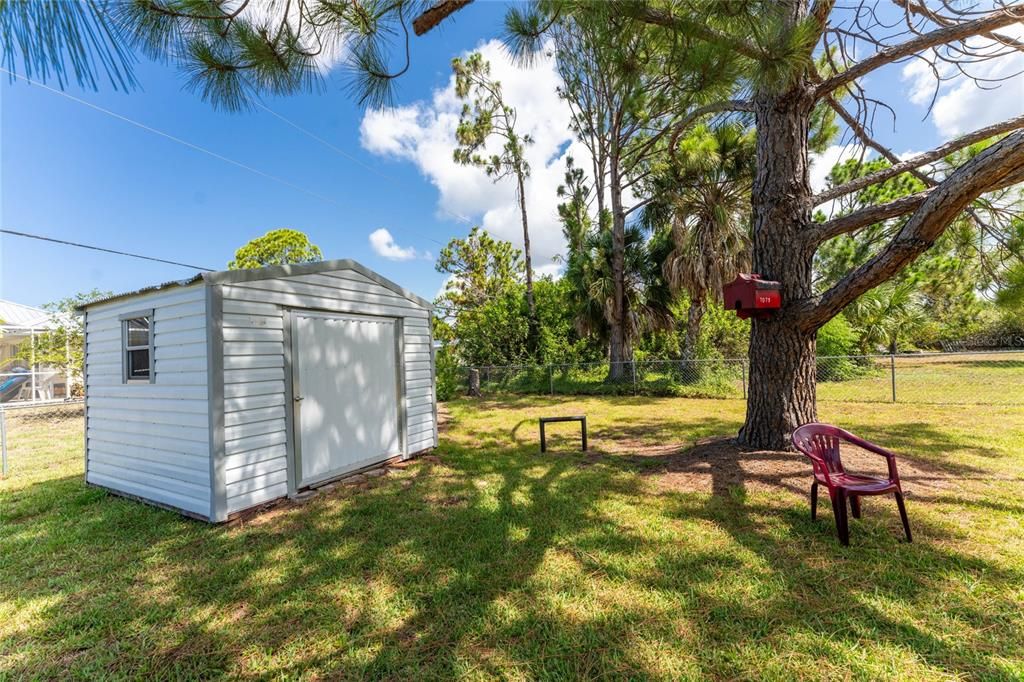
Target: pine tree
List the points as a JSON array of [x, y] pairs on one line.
[[485, 115]]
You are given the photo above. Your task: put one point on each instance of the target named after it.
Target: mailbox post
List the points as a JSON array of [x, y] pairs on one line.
[[751, 296]]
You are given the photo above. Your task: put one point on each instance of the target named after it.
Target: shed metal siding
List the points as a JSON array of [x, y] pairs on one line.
[[151, 440], [255, 385]]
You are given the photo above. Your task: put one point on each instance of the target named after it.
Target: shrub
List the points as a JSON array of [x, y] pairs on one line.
[[451, 379], [836, 340], [723, 333]]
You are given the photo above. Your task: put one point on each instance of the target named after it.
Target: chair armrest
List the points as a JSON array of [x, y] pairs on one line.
[[890, 457], [871, 447]]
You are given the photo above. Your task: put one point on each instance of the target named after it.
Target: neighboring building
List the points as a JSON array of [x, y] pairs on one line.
[[19, 380], [231, 389]]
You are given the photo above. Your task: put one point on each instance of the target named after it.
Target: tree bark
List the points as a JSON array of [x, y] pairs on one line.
[[693, 321], [436, 14], [781, 395], [618, 346], [781, 391], [533, 335]]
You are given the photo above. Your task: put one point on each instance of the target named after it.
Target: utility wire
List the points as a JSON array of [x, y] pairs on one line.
[[221, 157], [29, 235], [172, 138], [329, 145]]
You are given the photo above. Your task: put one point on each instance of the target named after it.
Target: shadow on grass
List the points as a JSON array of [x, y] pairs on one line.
[[492, 562]]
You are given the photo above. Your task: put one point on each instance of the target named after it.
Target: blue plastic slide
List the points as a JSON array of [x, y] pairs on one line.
[[11, 385]]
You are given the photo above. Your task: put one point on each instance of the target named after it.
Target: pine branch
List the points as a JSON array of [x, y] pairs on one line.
[[868, 215], [436, 14], [893, 209], [942, 36], [923, 11], [912, 163], [820, 13], [998, 166], [698, 29]]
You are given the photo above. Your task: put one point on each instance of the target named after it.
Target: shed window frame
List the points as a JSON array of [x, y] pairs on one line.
[[126, 349]]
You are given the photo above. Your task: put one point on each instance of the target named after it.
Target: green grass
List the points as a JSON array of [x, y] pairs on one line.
[[492, 560]]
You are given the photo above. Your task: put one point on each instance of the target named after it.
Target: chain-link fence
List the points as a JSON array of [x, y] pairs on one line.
[[693, 378], [39, 437], [995, 378]]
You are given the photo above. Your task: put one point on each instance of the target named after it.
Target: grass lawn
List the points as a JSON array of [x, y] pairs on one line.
[[662, 554]]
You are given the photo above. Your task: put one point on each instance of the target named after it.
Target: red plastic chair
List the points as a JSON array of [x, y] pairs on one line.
[[820, 442]]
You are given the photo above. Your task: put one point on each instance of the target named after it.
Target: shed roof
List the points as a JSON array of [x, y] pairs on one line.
[[270, 272], [18, 316]]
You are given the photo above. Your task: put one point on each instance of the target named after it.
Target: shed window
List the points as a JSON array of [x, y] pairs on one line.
[[137, 336]]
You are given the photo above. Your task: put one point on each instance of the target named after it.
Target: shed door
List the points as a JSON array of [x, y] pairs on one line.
[[346, 393]]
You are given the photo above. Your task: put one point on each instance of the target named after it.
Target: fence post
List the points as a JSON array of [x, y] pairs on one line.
[[632, 366], [743, 376], [551, 378], [892, 369], [32, 363], [3, 443]]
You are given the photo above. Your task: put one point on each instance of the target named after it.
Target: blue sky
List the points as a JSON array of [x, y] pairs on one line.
[[74, 173]]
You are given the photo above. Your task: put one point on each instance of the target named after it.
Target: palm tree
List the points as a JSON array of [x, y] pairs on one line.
[[648, 297], [884, 315], [704, 196]]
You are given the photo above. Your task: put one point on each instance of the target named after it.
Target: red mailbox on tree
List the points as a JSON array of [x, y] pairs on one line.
[[751, 296]]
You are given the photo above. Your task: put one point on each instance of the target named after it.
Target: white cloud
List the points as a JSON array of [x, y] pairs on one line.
[[822, 164], [962, 106], [423, 133], [553, 269], [444, 286], [384, 245]]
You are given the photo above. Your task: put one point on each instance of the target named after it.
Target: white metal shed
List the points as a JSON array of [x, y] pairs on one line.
[[231, 389]]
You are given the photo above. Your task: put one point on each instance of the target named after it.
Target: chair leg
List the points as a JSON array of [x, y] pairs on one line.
[[839, 511], [814, 501], [903, 515], [855, 506]]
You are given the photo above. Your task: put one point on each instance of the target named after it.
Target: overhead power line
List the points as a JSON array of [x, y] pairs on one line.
[[314, 136], [225, 159], [40, 237], [172, 138]]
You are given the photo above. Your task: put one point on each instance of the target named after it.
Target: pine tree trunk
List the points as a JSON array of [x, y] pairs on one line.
[[781, 391], [618, 346], [533, 335], [781, 395]]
